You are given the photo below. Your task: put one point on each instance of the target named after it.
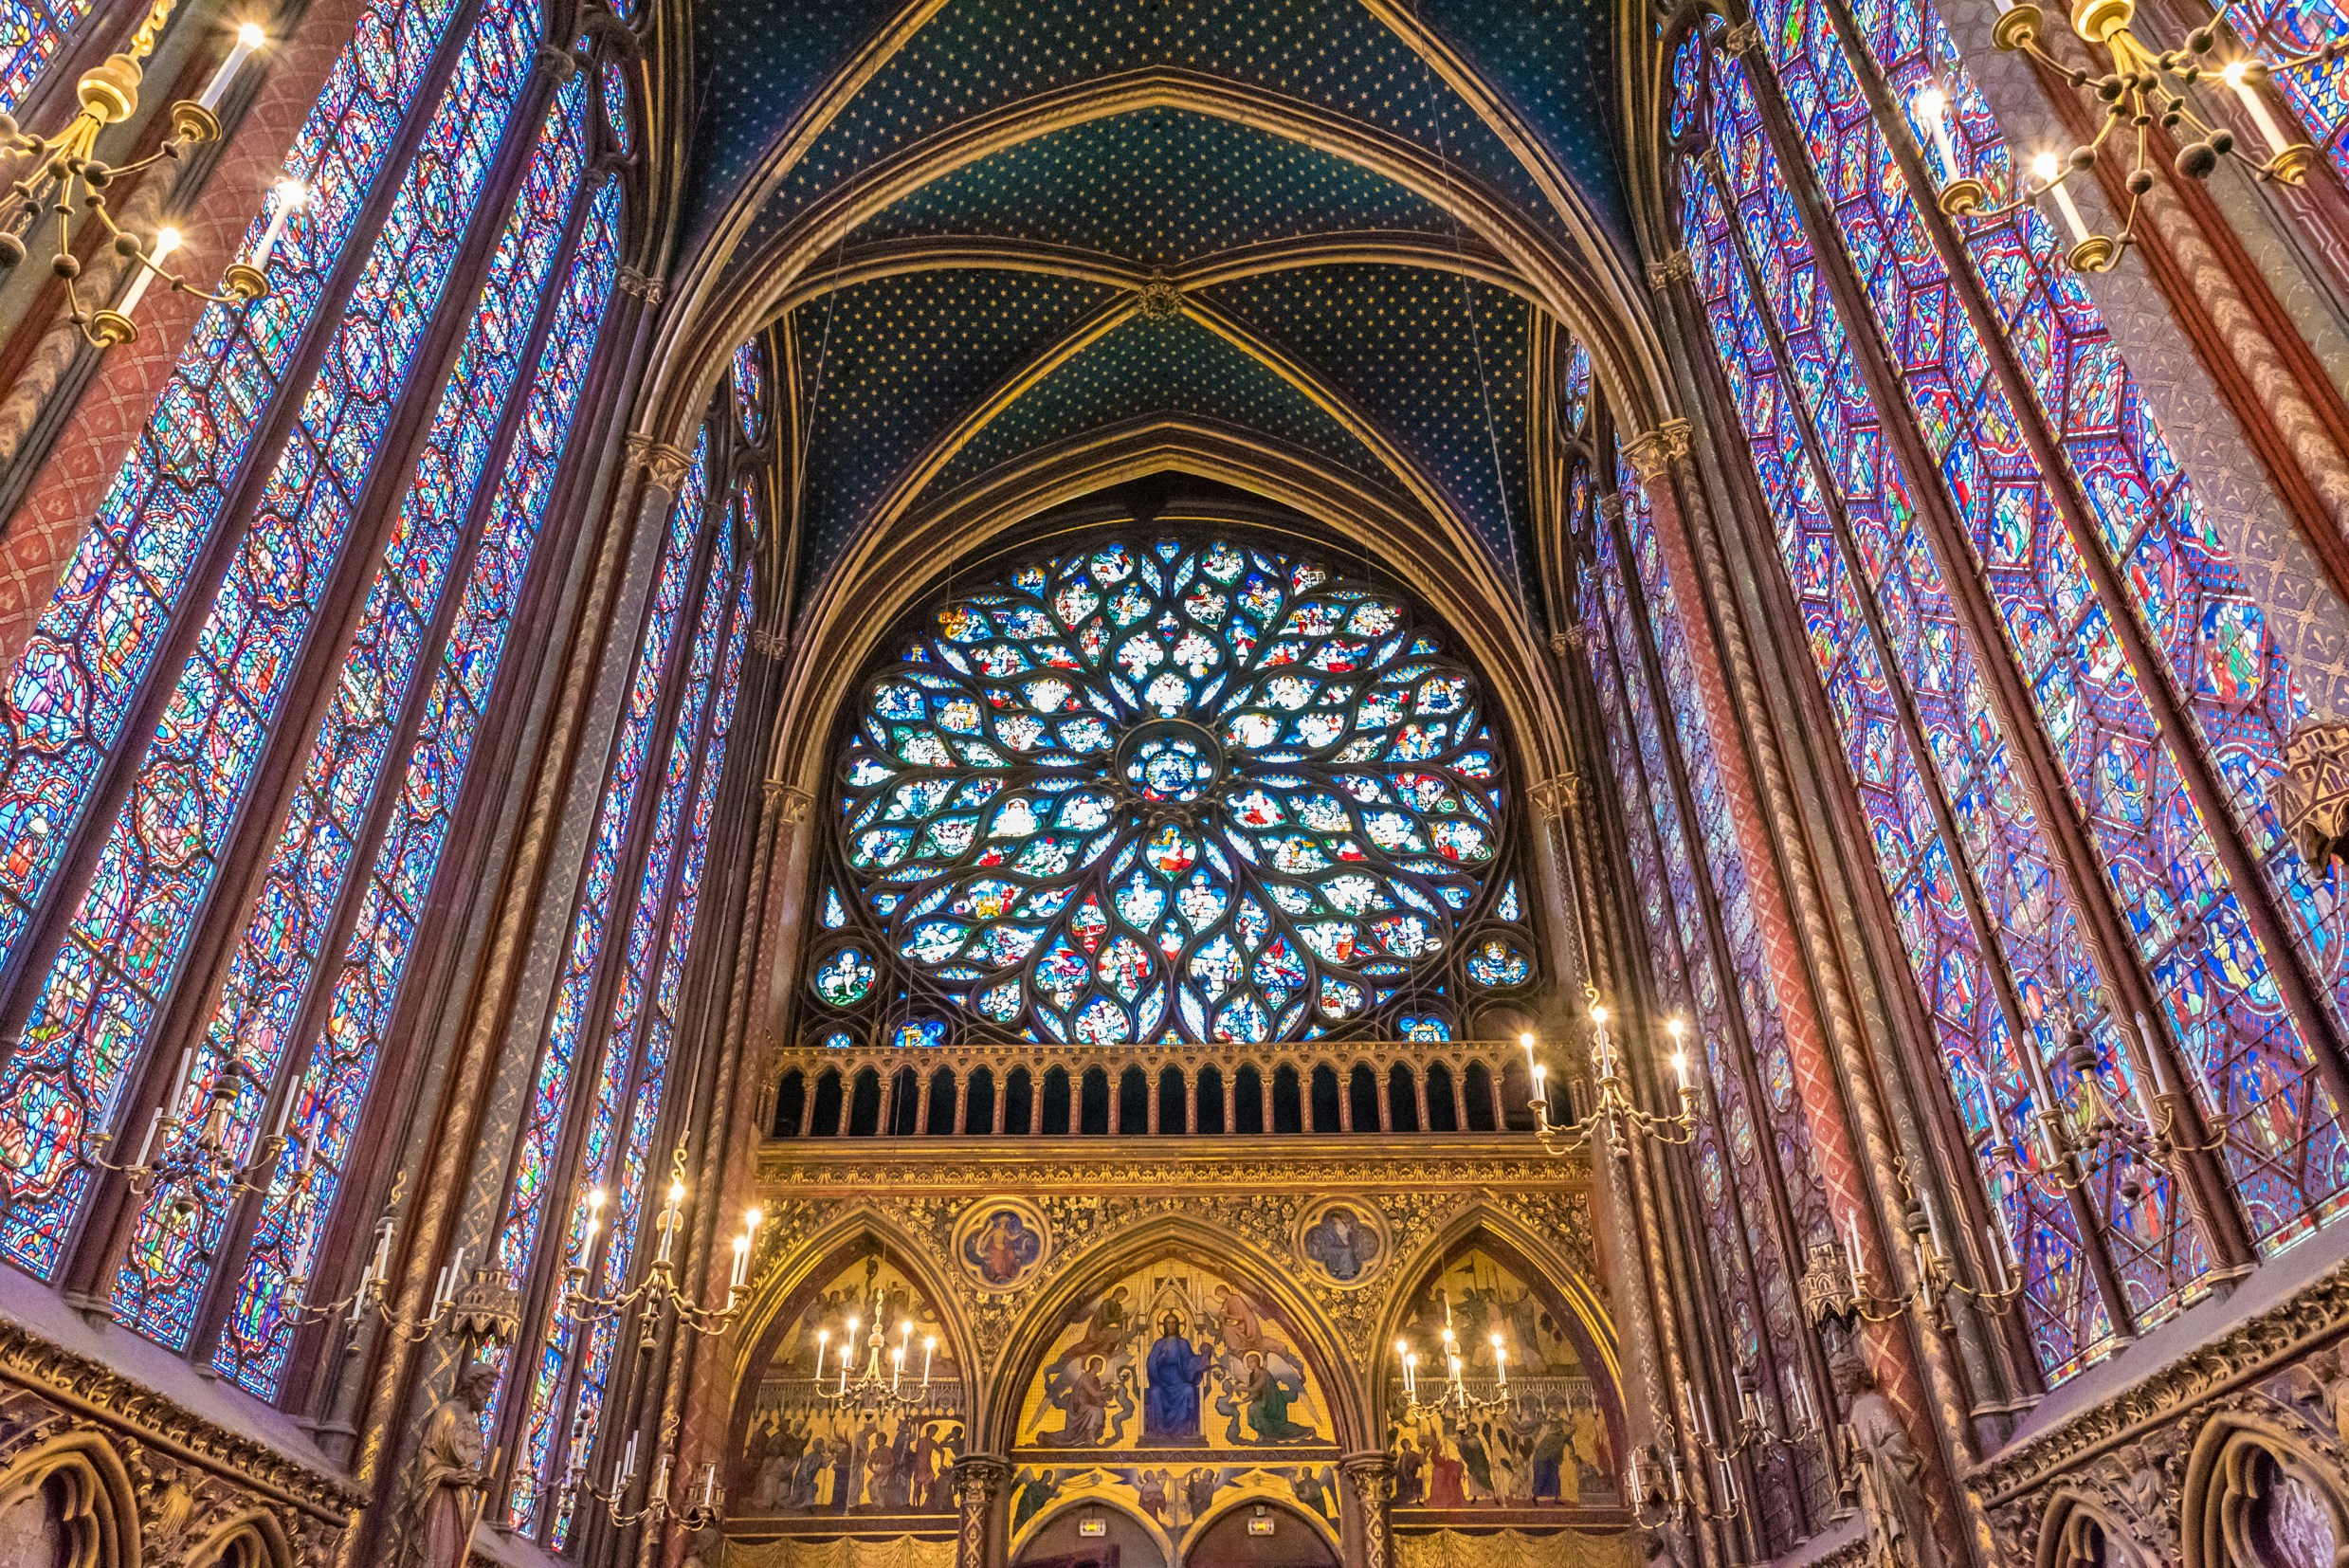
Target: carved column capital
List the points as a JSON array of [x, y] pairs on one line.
[[1675, 268], [981, 1480], [1610, 507], [666, 463], [1742, 39], [1554, 797], [2314, 792], [1368, 1477], [773, 642], [641, 284]]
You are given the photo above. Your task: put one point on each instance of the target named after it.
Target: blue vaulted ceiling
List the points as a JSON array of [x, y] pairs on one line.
[[986, 314]]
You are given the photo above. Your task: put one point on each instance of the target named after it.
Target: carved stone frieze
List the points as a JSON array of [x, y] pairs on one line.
[[192, 1482], [2126, 1459], [2315, 791]]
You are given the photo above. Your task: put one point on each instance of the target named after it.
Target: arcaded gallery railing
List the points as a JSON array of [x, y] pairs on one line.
[[1033, 1091]]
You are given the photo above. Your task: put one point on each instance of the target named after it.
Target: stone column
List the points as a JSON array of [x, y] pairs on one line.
[[980, 1481], [1368, 1480]]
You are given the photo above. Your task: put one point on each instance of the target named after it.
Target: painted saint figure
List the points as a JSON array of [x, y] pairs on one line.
[[1171, 1409], [1083, 1394], [1342, 1243]]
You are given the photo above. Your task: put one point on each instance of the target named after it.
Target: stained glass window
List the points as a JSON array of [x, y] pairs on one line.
[[1991, 933], [1756, 1259], [1181, 790], [536, 1168], [82, 669], [750, 391], [163, 1274], [2319, 93], [568, 1374], [31, 34]]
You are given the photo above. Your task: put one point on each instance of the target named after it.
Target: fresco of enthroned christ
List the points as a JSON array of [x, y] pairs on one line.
[[1172, 1358]]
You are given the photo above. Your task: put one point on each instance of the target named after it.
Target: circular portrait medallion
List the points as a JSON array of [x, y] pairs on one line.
[[1343, 1242], [1001, 1241]]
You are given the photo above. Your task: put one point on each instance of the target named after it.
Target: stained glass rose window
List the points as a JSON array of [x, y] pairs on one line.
[[1188, 790]]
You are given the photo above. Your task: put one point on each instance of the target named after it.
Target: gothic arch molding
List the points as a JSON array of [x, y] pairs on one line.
[[785, 1290], [883, 575], [1023, 1352], [2224, 1482], [1573, 1303], [2072, 1525], [99, 1509], [1246, 1498], [714, 313], [254, 1540]]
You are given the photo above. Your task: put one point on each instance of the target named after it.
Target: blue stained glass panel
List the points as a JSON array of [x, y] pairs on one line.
[[155, 864]]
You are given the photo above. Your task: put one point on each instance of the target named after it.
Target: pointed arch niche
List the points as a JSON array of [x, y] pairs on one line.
[[1552, 1454], [1170, 1396], [803, 1461]]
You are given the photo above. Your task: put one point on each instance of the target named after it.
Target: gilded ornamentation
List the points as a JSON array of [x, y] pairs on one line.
[[2315, 791], [639, 285], [1677, 268], [665, 465]]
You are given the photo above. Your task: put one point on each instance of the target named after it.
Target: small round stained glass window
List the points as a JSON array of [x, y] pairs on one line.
[[1174, 790], [1496, 964], [846, 979]]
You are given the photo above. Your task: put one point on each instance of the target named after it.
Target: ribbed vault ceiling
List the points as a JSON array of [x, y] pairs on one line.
[[1105, 216]]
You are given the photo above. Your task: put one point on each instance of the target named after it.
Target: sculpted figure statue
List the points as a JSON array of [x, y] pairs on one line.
[[1889, 1473], [441, 1489]]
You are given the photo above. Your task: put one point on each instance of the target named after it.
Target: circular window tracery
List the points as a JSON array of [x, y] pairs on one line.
[[1188, 790]]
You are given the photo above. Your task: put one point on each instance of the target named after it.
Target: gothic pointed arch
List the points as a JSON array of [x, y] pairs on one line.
[[2254, 1493], [73, 1492]]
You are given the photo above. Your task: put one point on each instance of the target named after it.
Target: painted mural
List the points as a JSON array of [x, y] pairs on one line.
[[1541, 1439], [1172, 1392], [872, 1438]]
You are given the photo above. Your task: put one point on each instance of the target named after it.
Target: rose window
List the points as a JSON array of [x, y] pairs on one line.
[[1194, 791]]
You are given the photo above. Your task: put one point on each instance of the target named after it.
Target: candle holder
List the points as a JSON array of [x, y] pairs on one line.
[[187, 1153], [60, 174], [879, 1386], [1452, 1396], [704, 1508], [1615, 1115], [1837, 1287], [2146, 87], [1753, 1427], [659, 1290]]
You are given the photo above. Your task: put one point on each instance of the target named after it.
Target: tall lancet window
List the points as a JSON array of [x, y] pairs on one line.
[[280, 587], [1764, 1203], [2030, 637], [605, 1065]]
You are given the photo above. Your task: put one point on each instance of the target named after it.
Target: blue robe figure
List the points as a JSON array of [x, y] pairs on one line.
[[1171, 1409]]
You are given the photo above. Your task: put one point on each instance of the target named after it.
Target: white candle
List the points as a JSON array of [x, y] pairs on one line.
[[823, 1347], [165, 242], [2152, 1054], [742, 1262], [1933, 1219], [286, 1113], [292, 197], [1933, 108], [1500, 1362], [709, 1484], [1680, 1066], [440, 1288], [1527, 1041], [627, 1464], [380, 1265], [661, 1479], [2238, 76], [2050, 175], [155, 1125], [897, 1367], [1851, 1242], [668, 1218], [1802, 1400], [929, 1348], [248, 38]]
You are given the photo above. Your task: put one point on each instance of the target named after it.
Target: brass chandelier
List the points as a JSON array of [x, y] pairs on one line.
[[62, 176], [2146, 89]]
